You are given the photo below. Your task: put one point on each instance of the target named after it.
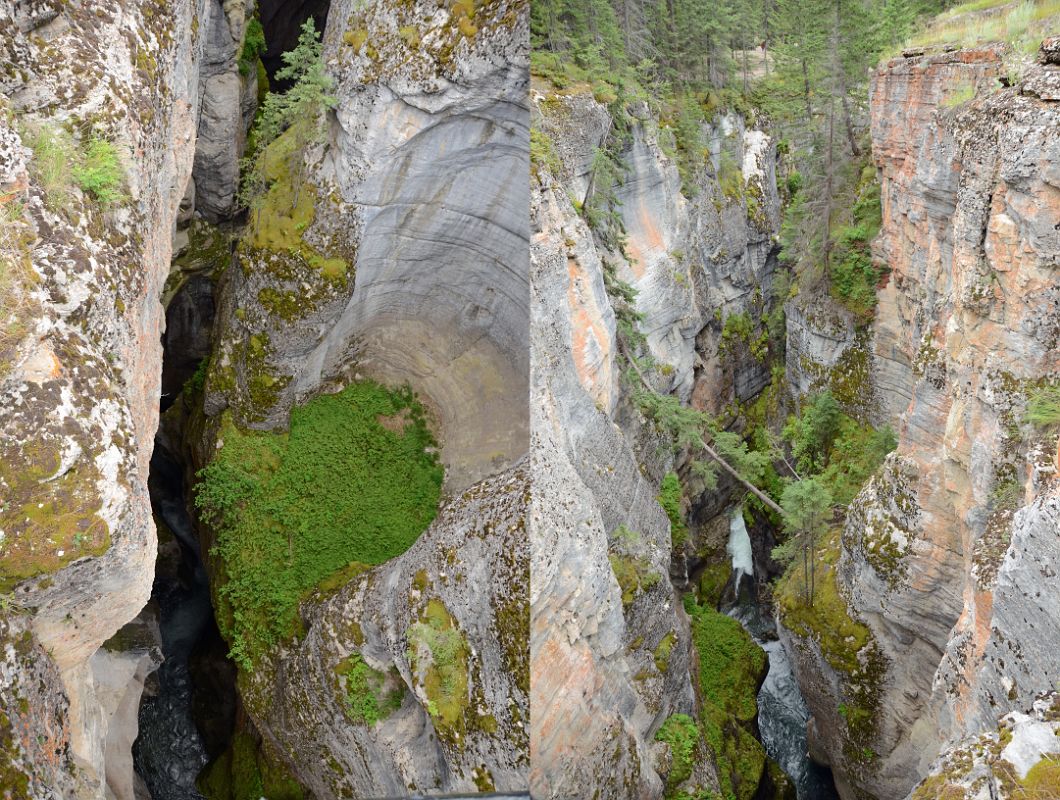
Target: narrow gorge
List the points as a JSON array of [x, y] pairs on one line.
[[559, 399]]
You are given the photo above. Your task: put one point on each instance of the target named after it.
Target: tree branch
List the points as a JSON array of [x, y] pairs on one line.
[[706, 447]]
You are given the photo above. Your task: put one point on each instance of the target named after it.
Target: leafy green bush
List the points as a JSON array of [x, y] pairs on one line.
[[286, 516], [254, 46], [367, 698], [858, 451], [670, 500], [853, 275], [1043, 407], [812, 432], [99, 172]]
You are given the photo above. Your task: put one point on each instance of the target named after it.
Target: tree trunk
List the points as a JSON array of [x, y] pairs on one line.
[[711, 452], [813, 571], [806, 574], [806, 90]]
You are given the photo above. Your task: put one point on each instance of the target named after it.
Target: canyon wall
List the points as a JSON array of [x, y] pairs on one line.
[[947, 553], [80, 377], [409, 267], [599, 692]]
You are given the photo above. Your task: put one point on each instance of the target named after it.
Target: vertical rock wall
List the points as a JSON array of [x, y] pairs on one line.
[[598, 693], [419, 190], [968, 324], [79, 403]]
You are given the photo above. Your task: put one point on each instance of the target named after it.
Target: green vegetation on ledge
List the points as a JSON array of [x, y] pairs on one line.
[[731, 668], [438, 655], [369, 695], [245, 772], [287, 517]]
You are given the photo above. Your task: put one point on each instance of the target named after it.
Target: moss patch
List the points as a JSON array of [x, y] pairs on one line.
[[845, 643], [285, 515], [48, 517], [245, 772], [663, 650], [634, 575], [670, 500], [681, 734], [731, 668], [828, 621], [438, 653]]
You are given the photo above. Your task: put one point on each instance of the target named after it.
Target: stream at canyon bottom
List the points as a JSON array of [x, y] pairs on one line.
[[782, 712], [170, 751]]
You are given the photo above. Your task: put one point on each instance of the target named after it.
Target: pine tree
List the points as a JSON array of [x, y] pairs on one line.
[[805, 505], [299, 110]]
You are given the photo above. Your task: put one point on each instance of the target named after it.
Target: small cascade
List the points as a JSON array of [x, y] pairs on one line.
[[782, 712], [739, 549]]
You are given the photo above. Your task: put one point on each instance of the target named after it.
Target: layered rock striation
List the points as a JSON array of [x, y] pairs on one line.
[[602, 606], [950, 578], [407, 264]]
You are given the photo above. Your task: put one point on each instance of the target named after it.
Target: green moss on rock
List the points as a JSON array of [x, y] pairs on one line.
[[368, 695], [286, 519], [438, 654]]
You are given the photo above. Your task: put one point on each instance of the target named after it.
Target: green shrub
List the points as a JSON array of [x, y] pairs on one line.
[[254, 46], [634, 575], [812, 432], [670, 500], [543, 153], [368, 700], [680, 732], [194, 384], [663, 650], [99, 172], [286, 517], [1043, 407], [853, 275]]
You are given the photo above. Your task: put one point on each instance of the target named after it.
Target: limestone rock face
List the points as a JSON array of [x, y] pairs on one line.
[[421, 189], [995, 764], [227, 103], [420, 194], [934, 561], [593, 724], [79, 384], [473, 557], [598, 696]]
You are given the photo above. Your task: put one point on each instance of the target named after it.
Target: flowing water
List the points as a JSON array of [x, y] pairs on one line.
[[782, 712], [169, 751]]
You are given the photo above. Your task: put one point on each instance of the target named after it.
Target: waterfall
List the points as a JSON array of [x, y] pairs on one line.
[[739, 548], [782, 712]]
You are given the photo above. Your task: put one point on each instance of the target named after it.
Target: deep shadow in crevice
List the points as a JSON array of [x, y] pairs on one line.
[[282, 22]]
